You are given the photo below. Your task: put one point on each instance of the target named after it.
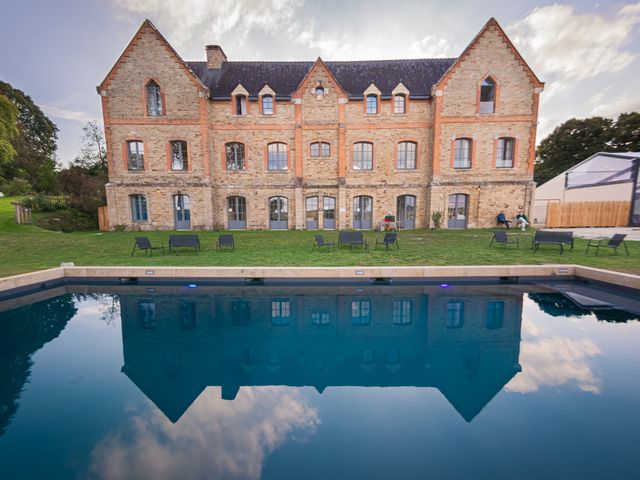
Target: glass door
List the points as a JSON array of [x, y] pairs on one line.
[[278, 213], [457, 211], [312, 213], [407, 211], [329, 213], [363, 212], [182, 212], [237, 213]]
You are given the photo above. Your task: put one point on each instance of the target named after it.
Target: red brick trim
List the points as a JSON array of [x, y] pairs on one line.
[[233, 105], [490, 119], [153, 121], [323, 126], [406, 104]]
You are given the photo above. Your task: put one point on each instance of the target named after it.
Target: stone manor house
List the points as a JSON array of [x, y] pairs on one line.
[[318, 145]]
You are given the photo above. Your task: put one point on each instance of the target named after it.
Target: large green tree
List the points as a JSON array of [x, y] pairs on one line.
[[569, 144], [35, 143], [8, 129], [626, 132]]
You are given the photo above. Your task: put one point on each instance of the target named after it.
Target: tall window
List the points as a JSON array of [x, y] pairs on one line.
[[372, 104], [188, 314], [487, 96], [277, 156], [135, 152], [154, 99], [361, 312], [320, 318], [401, 312], [406, 156], [505, 152], [363, 156], [280, 312], [462, 153], [267, 105], [139, 208], [320, 149], [241, 105], [179, 159], [399, 104], [495, 314], [235, 156], [455, 314], [147, 315]]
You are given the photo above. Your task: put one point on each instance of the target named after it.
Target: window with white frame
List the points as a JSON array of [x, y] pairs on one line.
[[462, 153], [407, 155], [267, 105], [505, 152], [179, 160], [372, 103], [400, 103], [234, 152], [277, 156], [363, 156], [320, 149], [135, 153]]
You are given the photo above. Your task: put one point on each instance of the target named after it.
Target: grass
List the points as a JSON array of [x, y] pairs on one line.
[[26, 248]]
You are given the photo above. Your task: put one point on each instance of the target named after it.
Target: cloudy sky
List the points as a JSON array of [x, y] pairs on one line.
[[587, 52]]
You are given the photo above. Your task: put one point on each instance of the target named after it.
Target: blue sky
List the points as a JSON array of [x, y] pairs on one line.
[[57, 52]]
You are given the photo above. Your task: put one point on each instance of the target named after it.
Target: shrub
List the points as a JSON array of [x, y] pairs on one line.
[[437, 216], [69, 220], [16, 186], [41, 203]]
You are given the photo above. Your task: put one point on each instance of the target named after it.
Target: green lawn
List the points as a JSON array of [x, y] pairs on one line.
[[26, 248]]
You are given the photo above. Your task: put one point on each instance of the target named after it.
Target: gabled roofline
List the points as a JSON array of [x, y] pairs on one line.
[[626, 156], [490, 23], [147, 24], [319, 61]]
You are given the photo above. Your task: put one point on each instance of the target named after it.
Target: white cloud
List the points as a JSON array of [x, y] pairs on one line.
[[432, 47], [215, 438], [68, 114], [575, 46]]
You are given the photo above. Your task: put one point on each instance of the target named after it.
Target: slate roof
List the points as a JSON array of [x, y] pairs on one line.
[[353, 76]]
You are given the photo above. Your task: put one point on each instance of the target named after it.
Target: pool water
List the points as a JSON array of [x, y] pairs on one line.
[[341, 382]]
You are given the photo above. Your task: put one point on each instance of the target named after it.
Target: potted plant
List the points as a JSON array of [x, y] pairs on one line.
[[437, 216], [389, 217]]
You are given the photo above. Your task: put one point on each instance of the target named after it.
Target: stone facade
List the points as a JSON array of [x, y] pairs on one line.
[[207, 120]]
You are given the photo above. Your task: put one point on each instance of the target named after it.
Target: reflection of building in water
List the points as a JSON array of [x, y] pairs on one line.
[[463, 341]]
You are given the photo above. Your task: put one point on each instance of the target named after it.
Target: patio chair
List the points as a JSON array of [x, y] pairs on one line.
[[389, 239], [143, 243], [320, 242], [502, 237], [613, 242], [226, 241], [501, 219], [351, 239]]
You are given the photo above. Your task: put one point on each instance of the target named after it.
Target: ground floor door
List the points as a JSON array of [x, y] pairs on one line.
[[182, 212], [237, 213], [329, 213], [312, 213], [458, 210], [363, 212], [278, 213], [406, 211]]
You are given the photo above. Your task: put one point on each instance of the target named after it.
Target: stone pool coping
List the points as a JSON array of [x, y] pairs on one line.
[[427, 272]]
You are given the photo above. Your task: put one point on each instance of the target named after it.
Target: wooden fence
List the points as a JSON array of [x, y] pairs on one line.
[[588, 214], [103, 219]]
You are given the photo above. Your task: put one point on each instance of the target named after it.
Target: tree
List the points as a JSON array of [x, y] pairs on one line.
[[35, 143], [626, 132], [570, 143], [86, 192], [93, 152], [8, 129]]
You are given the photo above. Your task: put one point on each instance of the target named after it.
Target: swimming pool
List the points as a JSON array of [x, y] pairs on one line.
[[413, 380]]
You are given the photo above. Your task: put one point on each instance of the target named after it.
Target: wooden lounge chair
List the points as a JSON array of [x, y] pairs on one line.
[[225, 241], [351, 239], [184, 241], [545, 237], [320, 242], [389, 239], [613, 242], [143, 243], [502, 237]]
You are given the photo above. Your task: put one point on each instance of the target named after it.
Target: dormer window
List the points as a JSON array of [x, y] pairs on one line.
[[399, 103], [487, 96], [241, 105], [267, 105], [372, 104], [154, 99]]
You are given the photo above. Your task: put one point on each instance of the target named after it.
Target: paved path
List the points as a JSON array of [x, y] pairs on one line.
[[633, 233]]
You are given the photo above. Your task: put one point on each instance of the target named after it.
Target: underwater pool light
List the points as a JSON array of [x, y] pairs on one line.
[[192, 285], [444, 285]]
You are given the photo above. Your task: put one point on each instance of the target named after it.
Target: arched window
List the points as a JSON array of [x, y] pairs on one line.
[[154, 99], [234, 152], [319, 91], [372, 103], [400, 103], [462, 153], [487, 96], [505, 152], [241, 105], [363, 156], [135, 155], [267, 105], [138, 208], [277, 156], [179, 160], [320, 149], [407, 155]]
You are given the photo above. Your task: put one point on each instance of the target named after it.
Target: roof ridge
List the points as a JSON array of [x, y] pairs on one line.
[[334, 61]]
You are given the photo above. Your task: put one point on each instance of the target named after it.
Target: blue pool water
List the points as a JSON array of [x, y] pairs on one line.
[[340, 382]]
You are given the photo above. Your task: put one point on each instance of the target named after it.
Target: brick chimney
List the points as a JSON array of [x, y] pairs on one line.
[[215, 57]]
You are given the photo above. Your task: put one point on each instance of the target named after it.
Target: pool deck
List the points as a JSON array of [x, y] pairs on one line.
[[51, 276]]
